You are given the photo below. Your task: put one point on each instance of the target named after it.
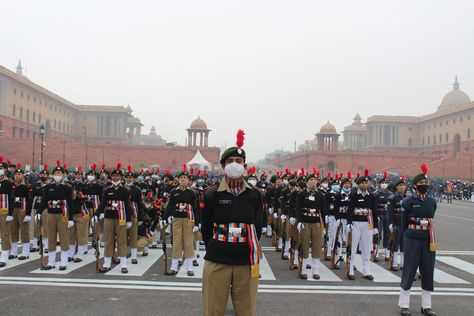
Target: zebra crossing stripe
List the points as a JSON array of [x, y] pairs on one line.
[[15, 262], [380, 274], [325, 274], [88, 258], [144, 264], [457, 263], [446, 278]]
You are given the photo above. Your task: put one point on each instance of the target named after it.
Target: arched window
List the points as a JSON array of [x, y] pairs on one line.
[[14, 110], [468, 133]]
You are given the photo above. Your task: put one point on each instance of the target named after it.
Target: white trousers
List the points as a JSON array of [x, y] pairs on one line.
[[361, 234], [342, 235], [331, 227]]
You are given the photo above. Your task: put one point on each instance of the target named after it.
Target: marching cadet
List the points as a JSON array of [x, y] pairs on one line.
[[7, 201], [310, 204], [92, 192], [136, 205], [80, 231], [341, 206], [394, 213], [300, 185], [419, 244], [147, 221], [278, 224], [57, 201], [285, 210], [275, 181], [114, 209], [381, 198], [330, 215], [361, 220], [231, 227], [182, 214], [20, 225], [38, 192]]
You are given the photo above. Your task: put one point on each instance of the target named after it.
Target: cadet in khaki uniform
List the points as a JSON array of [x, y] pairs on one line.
[[39, 229], [20, 226], [57, 200], [136, 205], [231, 227], [80, 231], [6, 211], [114, 209], [182, 213], [310, 204]]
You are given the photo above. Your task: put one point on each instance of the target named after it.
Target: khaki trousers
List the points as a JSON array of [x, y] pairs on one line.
[[57, 226], [311, 234], [218, 279], [79, 231], [197, 237], [36, 229], [113, 230], [183, 238], [133, 233], [17, 226], [5, 232]]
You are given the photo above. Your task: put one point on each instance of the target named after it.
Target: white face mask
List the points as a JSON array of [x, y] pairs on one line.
[[147, 205], [91, 178], [2, 172], [324, 185], [285, 182], [384, 186], [234, 170], [57, 178], [252, 182], [115, 183]]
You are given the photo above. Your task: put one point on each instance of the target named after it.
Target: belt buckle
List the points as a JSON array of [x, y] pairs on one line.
[[114, 205], [55, 203], [17, 199], [312, 210], [182, 207], [424, 222], [235, 231]]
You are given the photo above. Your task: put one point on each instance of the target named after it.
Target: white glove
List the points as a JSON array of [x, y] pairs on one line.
[[199, 226], [140, 222], [27, 219], [195, 229], [283, 218], [269, 230], [300, 226], [70, 224], [376, 231], [264, 230], [326, 219], [37, 218], [101, 216], [163, 223], [390, 227], [129, 225], [170, 219], [338, 222], [94, 220], [9, 218], [349, 227], [270, 210], [275, 215], [292, 220]]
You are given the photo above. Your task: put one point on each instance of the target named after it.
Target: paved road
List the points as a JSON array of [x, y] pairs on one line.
[[147, 291]]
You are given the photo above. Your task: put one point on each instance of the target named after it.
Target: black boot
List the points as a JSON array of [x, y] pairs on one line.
[[427, 311]]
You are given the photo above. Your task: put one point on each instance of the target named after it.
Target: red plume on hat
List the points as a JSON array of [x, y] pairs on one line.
[[341, 175], [366, 172], [317, 173], [58, 163], [358, 175], [349, 175], [199, 172], [149, 194], [240, 138], [302, 172], [191, 171], [8, 162], [315, 170], [1, 158], [94, 166], [295, 173], [129, 168], [45, 167], [79, 168], [64, 165], [102, 167], [119, 165], [337, 176], [404, 178], [185, 167], [424, 168], [18, 165], [329, 174], [385, 175], [287, 171]]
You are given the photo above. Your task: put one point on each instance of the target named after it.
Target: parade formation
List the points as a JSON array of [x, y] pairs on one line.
[[308, 216]]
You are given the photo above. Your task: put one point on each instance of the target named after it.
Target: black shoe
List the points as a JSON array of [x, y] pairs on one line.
[[285, 257], [116, 260], [154, 246], [144, 254], [295, 266], [10, 257], [23, 257], [103, 270], [48, 267], [368, 277], [70, 259], [328, 258], [376, 259], [180, 263], [405, 312], [316, 276], [427, 311], [387, 259], [358, 252], [172, 272], [124, 270], [45, 251], [77, 260], [394, 269], [2, 264], [304, 276], [34, 250], [134, 261], [62, 268], [197, 255], [195, 263], [308, 266], [351, 277], [190, 273]]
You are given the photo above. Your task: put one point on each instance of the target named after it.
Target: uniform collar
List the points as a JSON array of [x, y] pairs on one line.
[[224, 186], [366, 192]]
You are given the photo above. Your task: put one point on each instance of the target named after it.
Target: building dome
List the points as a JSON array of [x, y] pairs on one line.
[[454, 98], [328, 128], [198, 124]]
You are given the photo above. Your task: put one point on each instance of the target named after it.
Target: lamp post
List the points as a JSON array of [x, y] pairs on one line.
[[42, 132], [34, 145]]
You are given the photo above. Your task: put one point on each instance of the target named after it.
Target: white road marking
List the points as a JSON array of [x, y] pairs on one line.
[[457, 263], [380, 274], [71, 266], [446, 278], [15, 262], [456, 217], [144, 264]]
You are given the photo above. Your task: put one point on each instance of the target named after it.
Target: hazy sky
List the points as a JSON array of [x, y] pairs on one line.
[[277, 69]]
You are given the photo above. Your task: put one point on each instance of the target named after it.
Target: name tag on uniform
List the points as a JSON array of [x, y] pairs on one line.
[[110, 193], [51, 189], [311, 198], [225, 202], [176, 194], [416, 205], [360, 200]]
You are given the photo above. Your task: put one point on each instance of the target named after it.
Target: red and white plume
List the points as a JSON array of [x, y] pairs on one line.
[[240, 138], [119, 165], [424, 168], [349, 175], [129, 168], [366, 172]]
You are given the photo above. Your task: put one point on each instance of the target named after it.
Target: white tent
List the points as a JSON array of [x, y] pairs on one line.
[[199, 162]]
